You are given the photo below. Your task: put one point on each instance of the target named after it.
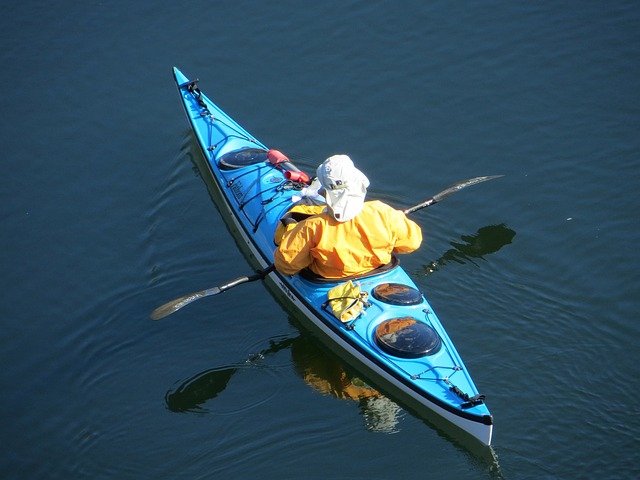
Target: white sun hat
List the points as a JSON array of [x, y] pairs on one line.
[[346, 186]]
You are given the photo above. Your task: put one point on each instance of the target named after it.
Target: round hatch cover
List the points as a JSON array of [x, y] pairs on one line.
[[397, 294], [242, 158], [407, 337]]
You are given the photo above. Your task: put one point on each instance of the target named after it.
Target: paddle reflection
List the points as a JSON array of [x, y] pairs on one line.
[[191, 394], [485, 241], [318, 369]]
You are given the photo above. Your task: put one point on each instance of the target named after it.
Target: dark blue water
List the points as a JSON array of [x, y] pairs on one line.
[[105, 217]]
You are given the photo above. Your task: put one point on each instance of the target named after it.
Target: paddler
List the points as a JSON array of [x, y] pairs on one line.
[[351, 236]]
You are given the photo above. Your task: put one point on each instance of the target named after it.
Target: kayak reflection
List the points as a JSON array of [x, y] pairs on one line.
[[317, 367], [485, 241], [327, 375]]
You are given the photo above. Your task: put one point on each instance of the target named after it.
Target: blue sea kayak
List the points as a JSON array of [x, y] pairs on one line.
[[397, 340]]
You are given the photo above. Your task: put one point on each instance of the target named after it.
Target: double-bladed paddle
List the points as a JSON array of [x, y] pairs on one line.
[[174, 305]]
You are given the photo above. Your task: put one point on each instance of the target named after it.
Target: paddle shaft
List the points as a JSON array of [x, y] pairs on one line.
[[450, 190], [174, 305]]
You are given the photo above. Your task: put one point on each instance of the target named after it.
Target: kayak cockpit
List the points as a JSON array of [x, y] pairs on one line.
[[311, 276]]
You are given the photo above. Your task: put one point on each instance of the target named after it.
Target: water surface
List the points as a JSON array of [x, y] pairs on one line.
[[106, 216]]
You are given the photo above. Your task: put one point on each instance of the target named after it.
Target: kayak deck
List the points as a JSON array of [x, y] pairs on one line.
[[254, 194]]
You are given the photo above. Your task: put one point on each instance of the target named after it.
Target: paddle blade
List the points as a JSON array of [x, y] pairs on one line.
[[170, 307], [175, 305]]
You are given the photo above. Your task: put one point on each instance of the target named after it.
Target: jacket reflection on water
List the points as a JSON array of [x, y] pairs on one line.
[[334, 249]]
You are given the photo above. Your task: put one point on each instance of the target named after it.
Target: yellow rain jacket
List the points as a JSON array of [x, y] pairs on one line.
[[333, 249]]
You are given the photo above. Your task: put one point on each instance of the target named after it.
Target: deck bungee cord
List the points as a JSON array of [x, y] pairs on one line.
[[194, 90], [297, 183], [469, 400], [277, 189], [266, 211]]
